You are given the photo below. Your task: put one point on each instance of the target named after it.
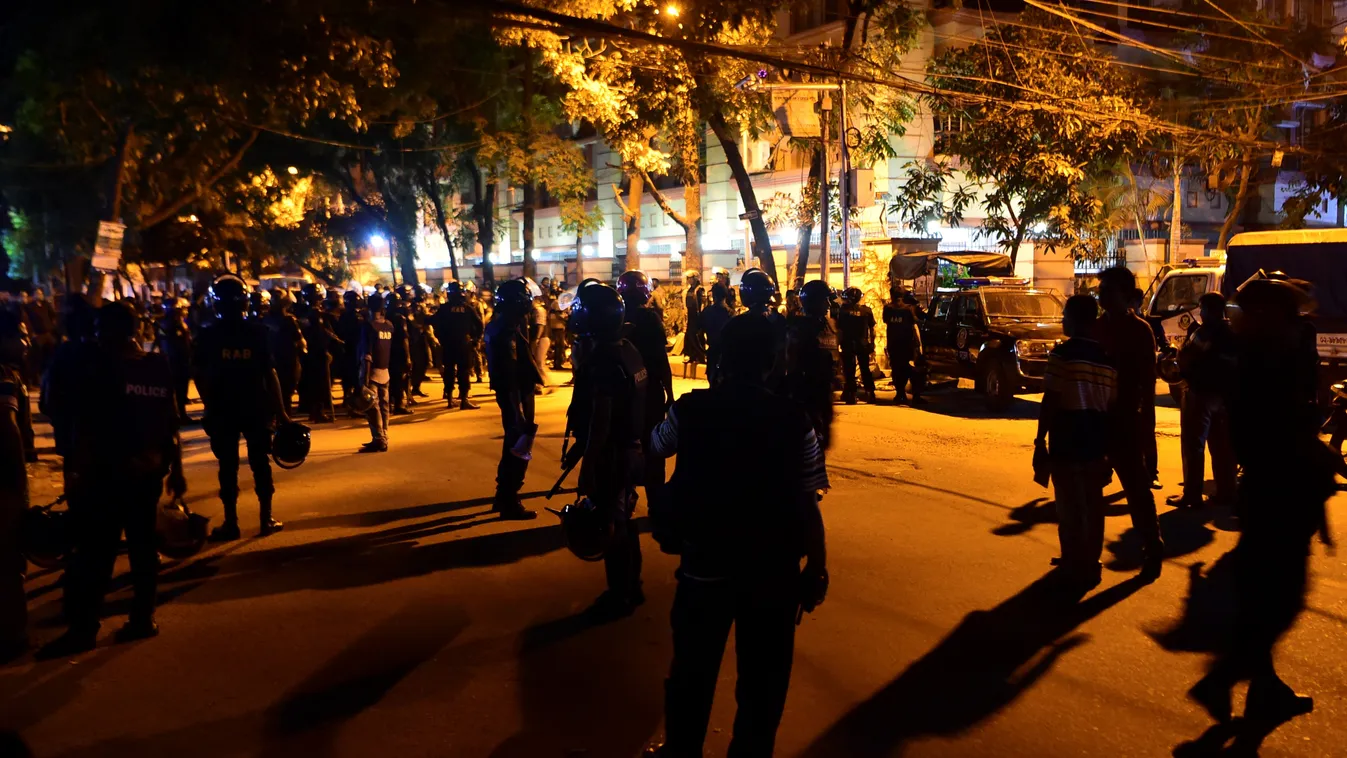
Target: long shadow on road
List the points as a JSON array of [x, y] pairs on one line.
[[972, 674]]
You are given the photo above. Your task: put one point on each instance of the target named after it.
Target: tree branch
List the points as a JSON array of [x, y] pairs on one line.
[[349, 186], [663, 202], [190, 197], [617, 198]]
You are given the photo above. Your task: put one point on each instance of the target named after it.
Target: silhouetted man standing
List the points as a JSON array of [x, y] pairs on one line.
[[1288, 477], [1130, 344]]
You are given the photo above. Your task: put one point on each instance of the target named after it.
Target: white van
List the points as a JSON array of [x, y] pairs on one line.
[[1318, 256]]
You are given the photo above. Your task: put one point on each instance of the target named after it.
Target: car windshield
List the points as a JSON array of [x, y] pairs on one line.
[[1040, 306]]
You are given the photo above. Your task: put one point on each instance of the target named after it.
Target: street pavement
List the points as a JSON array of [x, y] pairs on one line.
[[396, 616]]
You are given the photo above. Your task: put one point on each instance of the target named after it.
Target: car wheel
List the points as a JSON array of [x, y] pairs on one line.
[[998, 389]]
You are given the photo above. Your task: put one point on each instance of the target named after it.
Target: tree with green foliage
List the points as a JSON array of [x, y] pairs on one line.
[[1042, 115]]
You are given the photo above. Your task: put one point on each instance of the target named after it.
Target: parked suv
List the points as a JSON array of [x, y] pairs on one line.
[[998, 336]]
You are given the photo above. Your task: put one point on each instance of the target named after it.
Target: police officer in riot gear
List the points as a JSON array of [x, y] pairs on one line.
[[125, 445], [458, 327], [349, 326], [515, 377], [758, 293], [285, 340], [740, 543], [856, 332], [13, 496], [173, 340], [903, 344], [315, 394], [236, 377], [644, 329], [811, 354], [375, 352], [396, 304], [607, 416]]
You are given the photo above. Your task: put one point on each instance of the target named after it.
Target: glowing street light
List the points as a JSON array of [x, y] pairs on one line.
[[642, 246], [292, 171], [377, 240], [672, 10]]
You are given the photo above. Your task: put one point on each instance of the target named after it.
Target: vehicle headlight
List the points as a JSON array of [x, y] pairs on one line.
[[1034, 348]]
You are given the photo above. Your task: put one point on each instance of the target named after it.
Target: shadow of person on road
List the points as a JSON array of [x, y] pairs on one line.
[[1185, 531], [308, 719], [589, 688], [963, 403], [976, 671]]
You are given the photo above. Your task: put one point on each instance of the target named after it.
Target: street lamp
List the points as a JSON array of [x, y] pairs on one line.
[[671, 10]]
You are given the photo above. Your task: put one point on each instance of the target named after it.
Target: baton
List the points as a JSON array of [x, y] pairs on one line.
[[565, 473]]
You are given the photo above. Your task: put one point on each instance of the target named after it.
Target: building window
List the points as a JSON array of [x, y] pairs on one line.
[[1192, 199]]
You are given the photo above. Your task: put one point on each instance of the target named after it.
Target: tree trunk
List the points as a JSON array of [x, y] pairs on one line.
[[692, 228], [441, 220], [1015, 248], [1238, 205], [762, 243], [806, 232], [633, 218], [530, 266], [486, 232]]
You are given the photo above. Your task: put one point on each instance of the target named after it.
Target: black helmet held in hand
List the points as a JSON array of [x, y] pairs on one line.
[[598, 313], [45, 535], [634, 287], [363, 400], [513, 298], [228, 297], [756, 288], [816, 298], [587, 528], [290, 445]]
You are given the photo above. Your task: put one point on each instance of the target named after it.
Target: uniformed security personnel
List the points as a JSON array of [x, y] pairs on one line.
[[758, 293], [236, 377], [514, 378], [856, 332], [349, 327], [644, 329], [903, 344], [608, 417], [13, 498], [740, 543], [315, 393], [418, 344], [714, 319], [811, 354], [375, 351], [125, 444], [285, 341], [401, 366], [458, 327], [60, 389], [173, 340]]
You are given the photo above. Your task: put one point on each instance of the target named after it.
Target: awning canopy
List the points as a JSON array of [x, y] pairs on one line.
[[917, 264]]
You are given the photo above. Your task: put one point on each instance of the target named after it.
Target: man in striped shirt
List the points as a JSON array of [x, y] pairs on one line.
[[740, 536], [1078, 388]]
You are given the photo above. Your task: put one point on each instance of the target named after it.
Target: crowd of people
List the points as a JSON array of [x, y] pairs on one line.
[[114, 384]]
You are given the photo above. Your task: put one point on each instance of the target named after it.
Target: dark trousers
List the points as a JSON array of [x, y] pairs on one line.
[[350, 377], [181, 380], [377, 415], [317, 394], [99, 517], [851, 360], [397, 384], [900, 363], [1204, 424], [763, 616], [457, 369], [13, 601], [420, 365], [224, 443], [1078, 488], [511, 469], [558, 349], [1127, 456], [622, 560]]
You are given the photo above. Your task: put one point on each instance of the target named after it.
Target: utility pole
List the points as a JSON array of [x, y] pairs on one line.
[[843, 185], [823, 260]]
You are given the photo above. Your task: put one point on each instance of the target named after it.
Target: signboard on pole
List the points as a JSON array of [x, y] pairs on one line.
[[795, 112], [752, 215], [108, 246]]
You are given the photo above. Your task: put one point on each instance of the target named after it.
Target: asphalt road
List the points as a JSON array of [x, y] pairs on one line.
[[396, 616]]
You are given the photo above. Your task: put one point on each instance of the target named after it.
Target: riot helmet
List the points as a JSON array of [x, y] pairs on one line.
[[598, 313], [228, 297], [635, 288], [756, 289]]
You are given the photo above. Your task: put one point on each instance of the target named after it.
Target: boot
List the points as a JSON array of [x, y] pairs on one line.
[[226, 532], [1273, 701], [511, 508], [269, 525], [137, 629], [467, 405]]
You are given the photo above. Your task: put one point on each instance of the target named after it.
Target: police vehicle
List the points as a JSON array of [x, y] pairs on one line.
[[997, 332], [1318, 256]]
